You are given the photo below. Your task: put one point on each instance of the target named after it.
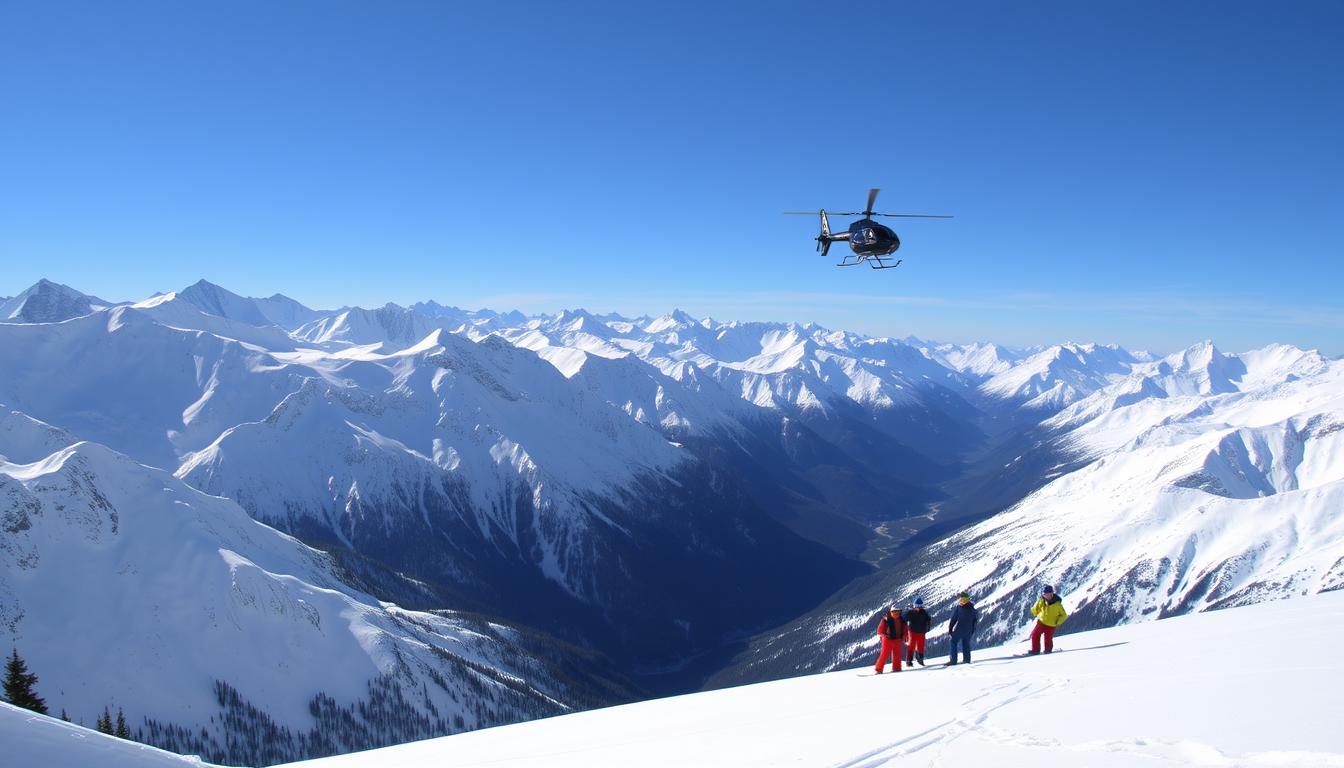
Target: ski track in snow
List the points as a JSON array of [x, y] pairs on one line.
[[997, 697]]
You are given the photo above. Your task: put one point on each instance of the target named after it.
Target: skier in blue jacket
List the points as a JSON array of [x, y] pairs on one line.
[[960, 629]]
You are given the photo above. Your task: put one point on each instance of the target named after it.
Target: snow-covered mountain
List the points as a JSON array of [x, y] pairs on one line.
[[222, 637], [391, 327], [474, 466], [632, 485], [125, 378], [478, 467], [278, 310], [1090, 703], [48, 302], [833, 432], [1057, 376], [1207, 480], [979, 359]]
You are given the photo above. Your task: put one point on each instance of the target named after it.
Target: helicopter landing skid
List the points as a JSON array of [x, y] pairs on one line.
[[876, 262], [884, 265]]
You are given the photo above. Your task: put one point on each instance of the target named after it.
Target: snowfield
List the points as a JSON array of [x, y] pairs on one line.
[[1203, 689]]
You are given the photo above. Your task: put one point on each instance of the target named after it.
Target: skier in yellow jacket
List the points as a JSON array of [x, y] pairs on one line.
[[1049, 612]]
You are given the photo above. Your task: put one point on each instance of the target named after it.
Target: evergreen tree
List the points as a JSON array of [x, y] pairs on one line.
[[105, 722], [19, 684], [122, 731], [64, 716]]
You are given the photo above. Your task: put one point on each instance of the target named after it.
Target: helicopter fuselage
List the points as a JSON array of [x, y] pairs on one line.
[[868, 238], [871, 242]]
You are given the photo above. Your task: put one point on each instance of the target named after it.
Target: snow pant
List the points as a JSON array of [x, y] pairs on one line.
[[890, 648], [915, 647], [1042, 631], [965, 642]]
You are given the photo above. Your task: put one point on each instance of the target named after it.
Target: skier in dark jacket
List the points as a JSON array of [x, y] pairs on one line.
[[892, 630], [917, 623], [960, 629]]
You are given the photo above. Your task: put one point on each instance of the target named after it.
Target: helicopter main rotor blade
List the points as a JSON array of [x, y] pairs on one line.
[[913, 215], [801, 213], [872, 198]]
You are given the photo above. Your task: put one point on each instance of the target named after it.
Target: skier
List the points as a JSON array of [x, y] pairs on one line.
[[917, 623], [1049, 612], [960, 628], [891, 629]]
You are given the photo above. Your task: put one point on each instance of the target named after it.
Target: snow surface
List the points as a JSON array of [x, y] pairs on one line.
[[101, 557], [30, 739], [1194, 690], [1191, 690]]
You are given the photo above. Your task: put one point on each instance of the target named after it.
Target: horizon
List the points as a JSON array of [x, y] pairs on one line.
[[607, 315], [1140, 175]]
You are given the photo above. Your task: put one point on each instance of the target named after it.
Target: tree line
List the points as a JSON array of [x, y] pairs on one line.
[[20, 688]]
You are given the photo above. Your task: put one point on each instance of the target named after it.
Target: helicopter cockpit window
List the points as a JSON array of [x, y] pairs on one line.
[[864, 236]]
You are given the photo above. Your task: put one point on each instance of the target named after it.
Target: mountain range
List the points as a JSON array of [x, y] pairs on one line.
[[579, 509]]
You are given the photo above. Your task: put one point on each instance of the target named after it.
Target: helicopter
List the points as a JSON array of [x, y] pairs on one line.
[[872, 243]]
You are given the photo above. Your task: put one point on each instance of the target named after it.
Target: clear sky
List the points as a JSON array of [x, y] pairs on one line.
[[1149, 174]]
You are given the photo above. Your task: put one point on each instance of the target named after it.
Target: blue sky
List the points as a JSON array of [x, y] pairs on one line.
[[1149, 174]]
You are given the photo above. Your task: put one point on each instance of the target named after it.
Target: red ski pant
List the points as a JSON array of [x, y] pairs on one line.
[[890, 648], [1046, 631], [915, 645]]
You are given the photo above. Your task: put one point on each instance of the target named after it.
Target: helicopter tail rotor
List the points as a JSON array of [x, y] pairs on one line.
[[824, 239]]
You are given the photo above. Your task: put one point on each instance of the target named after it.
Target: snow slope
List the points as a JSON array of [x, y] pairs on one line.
[[1170, 693], [103, 558], [31, 739]]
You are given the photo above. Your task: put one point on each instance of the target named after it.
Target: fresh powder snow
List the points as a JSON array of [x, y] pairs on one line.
[[1191, 690]]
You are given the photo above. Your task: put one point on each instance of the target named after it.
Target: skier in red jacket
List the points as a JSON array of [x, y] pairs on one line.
[[892, 630]]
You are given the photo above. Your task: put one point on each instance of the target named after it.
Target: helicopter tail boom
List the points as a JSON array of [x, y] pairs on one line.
[[825, 239]]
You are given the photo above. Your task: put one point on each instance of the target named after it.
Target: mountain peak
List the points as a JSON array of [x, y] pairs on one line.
[[1200, 355], [48, 302], [205, 288], [221, 302], [435, 309], [674, 319]]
